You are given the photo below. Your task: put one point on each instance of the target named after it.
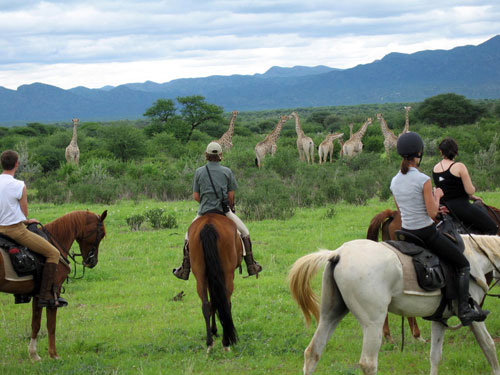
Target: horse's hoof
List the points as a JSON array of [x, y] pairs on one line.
[[209, 348], [420, 339], [35, 358], [226, 348]]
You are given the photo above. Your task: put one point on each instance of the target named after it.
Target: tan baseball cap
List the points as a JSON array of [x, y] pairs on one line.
[[214, 148]]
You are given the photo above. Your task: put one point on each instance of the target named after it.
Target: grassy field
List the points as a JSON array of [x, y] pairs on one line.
[[122, 319]]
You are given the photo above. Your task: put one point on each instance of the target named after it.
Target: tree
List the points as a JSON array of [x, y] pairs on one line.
[[195, 111], [125, 142], [161, 110], [448, 109]]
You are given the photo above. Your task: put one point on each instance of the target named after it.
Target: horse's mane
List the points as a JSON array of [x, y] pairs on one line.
[[490, 244], [68, 222]]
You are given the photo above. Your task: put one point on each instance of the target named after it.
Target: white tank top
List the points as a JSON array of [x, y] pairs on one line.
[[408, 190], [11, 191]]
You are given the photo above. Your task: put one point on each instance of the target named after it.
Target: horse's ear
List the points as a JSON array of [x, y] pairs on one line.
[[104, 214]]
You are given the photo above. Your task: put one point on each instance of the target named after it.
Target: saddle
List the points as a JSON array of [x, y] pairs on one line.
[[432, 273], [26, 264]]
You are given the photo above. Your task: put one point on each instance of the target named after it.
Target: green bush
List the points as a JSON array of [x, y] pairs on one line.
[[159, 219], [135, 221]]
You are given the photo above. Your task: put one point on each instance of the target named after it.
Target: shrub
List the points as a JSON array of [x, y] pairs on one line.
[[159, 219], [135, 221]]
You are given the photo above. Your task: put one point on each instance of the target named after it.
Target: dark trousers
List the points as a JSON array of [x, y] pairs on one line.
[[471, 215], [441, 245]]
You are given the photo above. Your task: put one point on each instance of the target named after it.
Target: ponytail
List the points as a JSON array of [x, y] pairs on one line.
[[405, 166]]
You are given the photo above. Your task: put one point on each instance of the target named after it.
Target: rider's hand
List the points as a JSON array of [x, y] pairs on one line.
[[444, 210], [233, 209], [31, 221]]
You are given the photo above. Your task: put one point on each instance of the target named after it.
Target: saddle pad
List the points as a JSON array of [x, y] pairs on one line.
[[10, 274], [410, 283]]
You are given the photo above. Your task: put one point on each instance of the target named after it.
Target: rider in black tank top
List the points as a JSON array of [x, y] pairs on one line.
[[452, 186]]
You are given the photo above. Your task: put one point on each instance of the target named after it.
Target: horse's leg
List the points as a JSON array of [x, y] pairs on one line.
[[51, 329], [487, 344], [372, 340], [332, 311], [229, 281], [437, 338], [36, 319], [386, 330], [415, 331], [214, 324]]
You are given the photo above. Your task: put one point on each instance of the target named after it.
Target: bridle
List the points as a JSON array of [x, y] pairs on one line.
[[91, 254]]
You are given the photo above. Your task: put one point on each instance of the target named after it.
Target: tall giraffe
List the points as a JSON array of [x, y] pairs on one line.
[[268, 145], [305, 144], [226, 141], [350, 130], [72, 151], [353, 146], [407, 120], [326, 147], [390, 140]]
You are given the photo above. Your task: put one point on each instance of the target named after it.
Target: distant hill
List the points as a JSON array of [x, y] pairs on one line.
[[469, 70]]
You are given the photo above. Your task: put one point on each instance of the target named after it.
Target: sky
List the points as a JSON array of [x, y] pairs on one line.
[[94, 43]]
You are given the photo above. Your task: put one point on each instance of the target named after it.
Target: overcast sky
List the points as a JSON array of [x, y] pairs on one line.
[[94, 43]]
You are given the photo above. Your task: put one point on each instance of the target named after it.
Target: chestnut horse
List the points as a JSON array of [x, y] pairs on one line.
[[388, 222], [215, 251], [88, 230]]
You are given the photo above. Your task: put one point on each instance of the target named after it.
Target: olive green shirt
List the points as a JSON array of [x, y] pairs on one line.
[[224, 182]]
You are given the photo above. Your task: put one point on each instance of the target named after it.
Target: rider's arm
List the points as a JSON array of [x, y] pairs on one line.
[[431, 199], [196, 197], [23, 202], [230, 197], [466, 180]]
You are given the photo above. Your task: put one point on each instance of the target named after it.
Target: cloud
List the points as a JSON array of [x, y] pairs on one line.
[[41, 37]]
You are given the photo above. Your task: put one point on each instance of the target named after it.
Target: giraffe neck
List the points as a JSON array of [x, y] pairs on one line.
[[385, 129], [350, 130], [361, 132], [230, 131], [407, 120], [298, 129], [277, 130], [74, 138]]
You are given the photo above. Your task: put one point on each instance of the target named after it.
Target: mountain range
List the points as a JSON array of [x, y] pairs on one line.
[[472, 71]]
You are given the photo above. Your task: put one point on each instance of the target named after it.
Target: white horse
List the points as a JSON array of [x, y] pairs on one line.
[[366, 278]]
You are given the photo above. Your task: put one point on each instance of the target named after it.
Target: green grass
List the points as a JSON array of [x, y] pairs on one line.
[[122, 320]]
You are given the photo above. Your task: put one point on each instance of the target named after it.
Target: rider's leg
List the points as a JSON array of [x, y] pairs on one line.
[[473, 216], [46, 296], [253, 267], [447, 252], [182, 272]]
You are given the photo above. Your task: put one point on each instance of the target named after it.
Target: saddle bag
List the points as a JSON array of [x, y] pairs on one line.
[[430, 275], [23, 260]]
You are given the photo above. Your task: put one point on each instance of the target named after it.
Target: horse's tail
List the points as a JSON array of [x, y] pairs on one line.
[[299, 280], [376, 224], [216, 283]]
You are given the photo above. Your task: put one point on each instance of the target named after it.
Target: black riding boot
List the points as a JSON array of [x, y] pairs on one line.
[[183, 271], [253, 267], [46, 296], [466, 314]]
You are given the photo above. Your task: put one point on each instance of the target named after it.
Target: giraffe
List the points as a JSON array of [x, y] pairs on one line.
[[350, 130], [326, 147], [268, 145], [353, 146], [407, 121], [72, 151], [305, 144], [390, 140], [226, 140]]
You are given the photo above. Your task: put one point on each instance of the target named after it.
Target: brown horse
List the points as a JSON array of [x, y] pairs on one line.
[[215, 251], [388, 222], [88, 230]]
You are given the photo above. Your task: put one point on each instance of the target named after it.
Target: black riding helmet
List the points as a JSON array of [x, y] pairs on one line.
[[410, 145]]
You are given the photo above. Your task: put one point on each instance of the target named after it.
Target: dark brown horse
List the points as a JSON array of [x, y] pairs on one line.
[[215, 251], [388, 222], [88, 230]]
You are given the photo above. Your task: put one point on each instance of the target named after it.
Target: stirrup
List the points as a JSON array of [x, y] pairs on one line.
[[254, 269]]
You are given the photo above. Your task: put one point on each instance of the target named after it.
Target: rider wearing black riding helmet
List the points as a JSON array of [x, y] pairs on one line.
[[454, 179], [418, 204]]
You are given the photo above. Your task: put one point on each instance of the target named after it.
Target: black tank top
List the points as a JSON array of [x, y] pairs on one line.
[[452, 186]]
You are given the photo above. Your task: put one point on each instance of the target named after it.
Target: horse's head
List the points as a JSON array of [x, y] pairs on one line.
[[89, 239]]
